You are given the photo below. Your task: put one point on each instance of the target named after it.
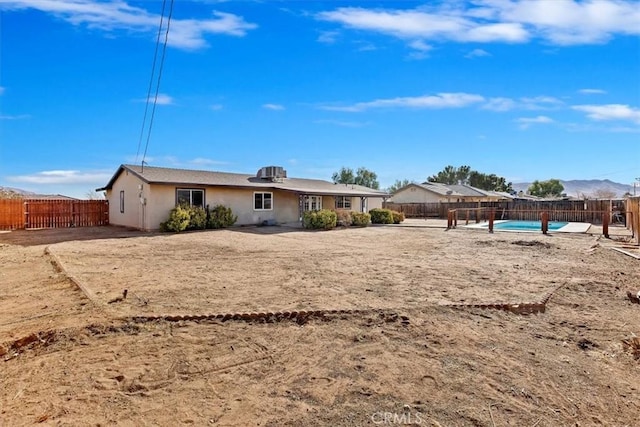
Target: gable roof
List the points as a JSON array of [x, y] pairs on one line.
[[458, 190], [169, 176]]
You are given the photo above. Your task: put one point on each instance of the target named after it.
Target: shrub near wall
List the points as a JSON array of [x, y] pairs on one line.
[[398, 217], [196, 218], [319, 220], [360, 219], [381, 216], [344, 218]]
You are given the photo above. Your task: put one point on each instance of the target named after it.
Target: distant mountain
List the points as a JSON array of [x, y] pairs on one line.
[[586, 187], [14, 192]]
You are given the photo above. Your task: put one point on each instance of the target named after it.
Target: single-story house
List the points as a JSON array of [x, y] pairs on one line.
[[435, 192], [142, 196]]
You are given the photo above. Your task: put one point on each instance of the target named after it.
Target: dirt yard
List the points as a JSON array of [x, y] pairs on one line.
[[375, 339]]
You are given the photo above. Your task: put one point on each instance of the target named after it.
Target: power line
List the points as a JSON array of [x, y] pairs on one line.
[[153, 71], [155, 99]]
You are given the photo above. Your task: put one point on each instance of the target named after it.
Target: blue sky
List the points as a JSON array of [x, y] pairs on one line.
[[523, 89]]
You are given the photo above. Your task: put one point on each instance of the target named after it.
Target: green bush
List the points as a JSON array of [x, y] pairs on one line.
[[360, 219], [344, 218], [381, 216], [220, 217], [320, 220], [398, 217], [178, 220], [197, 218]]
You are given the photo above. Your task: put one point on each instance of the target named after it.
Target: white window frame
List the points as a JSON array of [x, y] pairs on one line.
[[310, 201], [262, 199], [340, 202], [191, 190]]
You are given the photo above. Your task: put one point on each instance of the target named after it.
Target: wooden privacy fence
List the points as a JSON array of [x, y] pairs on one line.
[[43, 213], [633, 217], [525, 210]]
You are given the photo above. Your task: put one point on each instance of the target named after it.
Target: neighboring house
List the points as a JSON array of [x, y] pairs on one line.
[[143, 197], [434, 192]]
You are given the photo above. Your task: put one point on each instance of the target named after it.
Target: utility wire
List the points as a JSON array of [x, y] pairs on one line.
[[153, 72], [155, 100]]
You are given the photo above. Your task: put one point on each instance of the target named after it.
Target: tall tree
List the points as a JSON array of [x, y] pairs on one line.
[[451, 175], [398, 185], [548, 188], [465, 175], [490, 182], [363, 177]]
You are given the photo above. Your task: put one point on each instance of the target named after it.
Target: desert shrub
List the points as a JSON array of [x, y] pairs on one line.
[[178, 220], [197, 218], [360, 219], [381, 216], [220, 217], [344, 218], [398, 217], [320, 220]]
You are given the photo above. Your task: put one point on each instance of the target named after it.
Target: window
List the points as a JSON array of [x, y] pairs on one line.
[[312, 203], [262, 201], [122, 201], [190, 197], [343, 202]]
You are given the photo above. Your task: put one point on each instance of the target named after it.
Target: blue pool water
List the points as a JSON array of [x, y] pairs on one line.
[[527, 225]]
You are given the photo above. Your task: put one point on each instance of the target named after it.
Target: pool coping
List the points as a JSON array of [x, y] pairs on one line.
[[571, 227]]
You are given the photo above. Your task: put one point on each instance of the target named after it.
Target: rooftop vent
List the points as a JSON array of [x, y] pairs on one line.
[[272, 173]]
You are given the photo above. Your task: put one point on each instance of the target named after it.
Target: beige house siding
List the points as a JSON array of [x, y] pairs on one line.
[[240, 200], [147, 205], [415, 194], [133, 209]]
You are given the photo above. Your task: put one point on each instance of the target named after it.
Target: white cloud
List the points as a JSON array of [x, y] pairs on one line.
[[610, 112], [1, 90], [592, 91], [572, 22], [216, 107], [328, 37], [343, 123], [477, 53], [441, 100], [117, 15], [162, 99], [525, 122], [62, 177], [14, 117], [524, 103], [500, 104], [273, 107], [558, 22]]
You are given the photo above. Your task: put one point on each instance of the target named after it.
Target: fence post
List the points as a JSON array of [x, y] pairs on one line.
[[492, 214], [455, 218], [467, 217], [605, 224], [544, 216]]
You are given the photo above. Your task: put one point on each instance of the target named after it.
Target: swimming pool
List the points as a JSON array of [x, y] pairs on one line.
[[525, 225]]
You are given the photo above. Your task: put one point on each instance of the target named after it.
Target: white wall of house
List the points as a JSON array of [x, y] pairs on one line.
[[130, 213]]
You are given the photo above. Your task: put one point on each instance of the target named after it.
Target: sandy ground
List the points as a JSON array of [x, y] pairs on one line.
[[407, 358]]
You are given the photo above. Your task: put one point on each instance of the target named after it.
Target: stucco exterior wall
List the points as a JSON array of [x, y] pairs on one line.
[[147, 205], [415, 194], [133, 209], [162, 198]]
